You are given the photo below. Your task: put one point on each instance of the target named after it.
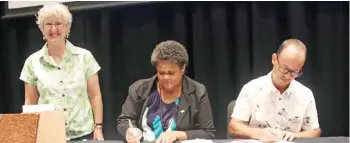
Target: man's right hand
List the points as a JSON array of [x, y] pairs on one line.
[[268, 135], [131, 137]]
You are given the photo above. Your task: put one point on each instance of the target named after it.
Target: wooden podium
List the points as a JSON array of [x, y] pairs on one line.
[[41, 127]]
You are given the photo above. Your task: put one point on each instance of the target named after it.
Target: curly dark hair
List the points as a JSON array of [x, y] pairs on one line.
[[170, 50]]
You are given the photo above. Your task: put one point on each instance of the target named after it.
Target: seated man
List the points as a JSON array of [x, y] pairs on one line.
[[276, 107]]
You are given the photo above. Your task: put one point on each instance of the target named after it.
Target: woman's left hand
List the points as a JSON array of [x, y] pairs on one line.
[[98, 135]]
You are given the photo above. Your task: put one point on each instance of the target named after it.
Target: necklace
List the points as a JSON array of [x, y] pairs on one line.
[[163, 109], [160, 91]]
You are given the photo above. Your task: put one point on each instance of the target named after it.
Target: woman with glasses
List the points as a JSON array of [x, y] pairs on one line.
[[64, 75], [168, 106], [276, 107]]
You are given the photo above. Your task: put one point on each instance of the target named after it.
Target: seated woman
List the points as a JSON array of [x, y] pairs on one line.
[[168, 106]]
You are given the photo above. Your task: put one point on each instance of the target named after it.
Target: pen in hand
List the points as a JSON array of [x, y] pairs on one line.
[[274, 133], [265, 121], [130, 124]]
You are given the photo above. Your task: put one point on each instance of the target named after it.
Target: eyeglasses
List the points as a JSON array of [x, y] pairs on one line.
[[286, 70], [57, 25]]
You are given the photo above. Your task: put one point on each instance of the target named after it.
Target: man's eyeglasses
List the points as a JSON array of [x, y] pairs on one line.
[[286, 70]]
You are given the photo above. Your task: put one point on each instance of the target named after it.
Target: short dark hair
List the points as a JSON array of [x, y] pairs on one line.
[[170, 50]]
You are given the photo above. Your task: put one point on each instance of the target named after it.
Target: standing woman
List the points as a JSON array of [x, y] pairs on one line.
[[64, 75]]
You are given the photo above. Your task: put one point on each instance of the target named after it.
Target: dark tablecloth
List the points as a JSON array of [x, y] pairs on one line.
[[310, 140]]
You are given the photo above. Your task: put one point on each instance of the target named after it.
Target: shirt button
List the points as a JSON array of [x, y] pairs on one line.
[[64, 109], [61, 81], [66, 124], [63, 95], [280, 99], [59, 68]]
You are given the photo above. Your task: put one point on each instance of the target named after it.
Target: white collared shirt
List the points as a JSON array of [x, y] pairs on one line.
[[262, 105]]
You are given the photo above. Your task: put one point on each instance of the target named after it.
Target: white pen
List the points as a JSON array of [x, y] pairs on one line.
[[130, 124]]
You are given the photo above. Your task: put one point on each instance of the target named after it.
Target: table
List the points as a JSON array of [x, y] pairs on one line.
[[309, 140]]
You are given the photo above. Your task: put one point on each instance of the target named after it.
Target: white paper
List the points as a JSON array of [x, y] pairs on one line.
[[245, 141], [254, 141], [38, 108], [197, 141]]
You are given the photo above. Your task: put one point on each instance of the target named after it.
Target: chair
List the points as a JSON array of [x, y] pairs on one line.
[[230, 107]]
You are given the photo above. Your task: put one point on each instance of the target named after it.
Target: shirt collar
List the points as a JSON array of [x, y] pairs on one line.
[[271, 87], [70, 51]]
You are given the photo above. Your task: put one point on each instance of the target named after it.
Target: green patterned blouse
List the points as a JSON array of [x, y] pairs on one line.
[[64, 85]]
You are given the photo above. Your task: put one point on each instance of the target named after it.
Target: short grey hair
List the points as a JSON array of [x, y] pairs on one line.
[[56, 9], [172, 51]]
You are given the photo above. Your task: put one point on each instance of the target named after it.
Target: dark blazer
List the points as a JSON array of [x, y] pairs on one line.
[[196, 121]]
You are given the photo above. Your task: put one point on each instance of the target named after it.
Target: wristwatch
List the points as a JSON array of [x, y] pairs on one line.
[[98, 126]]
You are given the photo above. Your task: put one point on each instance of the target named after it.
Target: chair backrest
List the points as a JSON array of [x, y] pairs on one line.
[[230, 107]]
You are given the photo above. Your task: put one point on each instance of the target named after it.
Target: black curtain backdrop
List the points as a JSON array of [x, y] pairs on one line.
[[229, 43]]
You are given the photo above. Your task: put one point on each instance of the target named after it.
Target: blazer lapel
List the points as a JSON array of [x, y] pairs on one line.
[[185, 100], [183, 108], [143, 92]]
